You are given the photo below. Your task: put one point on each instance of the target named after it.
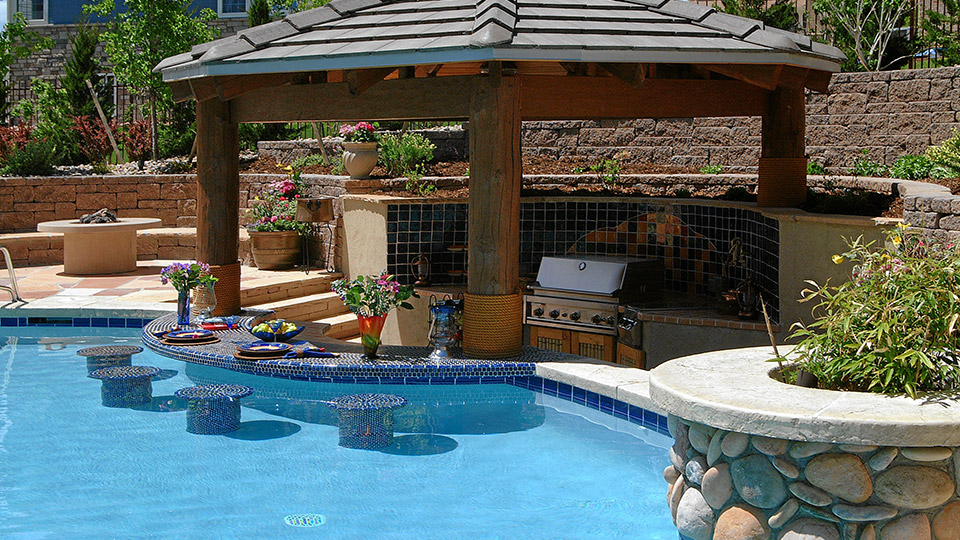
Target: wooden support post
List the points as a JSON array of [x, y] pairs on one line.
[[783, 164], [218, 200], [493, 308]]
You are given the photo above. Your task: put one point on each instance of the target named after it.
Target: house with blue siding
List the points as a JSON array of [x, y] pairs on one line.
[[57, 20], [69, 11]]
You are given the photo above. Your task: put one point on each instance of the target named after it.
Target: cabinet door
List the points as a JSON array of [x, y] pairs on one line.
[[630, 357], [551, 339], [594, 346]]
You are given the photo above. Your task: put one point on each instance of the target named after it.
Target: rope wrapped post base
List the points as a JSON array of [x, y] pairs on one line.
[[782, 182], [227, 289], [492, 325]]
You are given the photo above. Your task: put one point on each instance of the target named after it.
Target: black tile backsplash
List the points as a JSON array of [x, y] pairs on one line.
[[696, 242]]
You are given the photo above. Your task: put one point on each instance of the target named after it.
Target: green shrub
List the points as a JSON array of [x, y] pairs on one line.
[[404, 154], [174, 142], [892, 328], [815, 168], [911, 167], [607, 170], [36, 158], [711, 169], [53, 122], [864, 166], [851, 202], [947, 155], [416, 183], [307, 161]]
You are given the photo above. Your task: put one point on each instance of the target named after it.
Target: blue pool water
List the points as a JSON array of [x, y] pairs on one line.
[[472, 462]]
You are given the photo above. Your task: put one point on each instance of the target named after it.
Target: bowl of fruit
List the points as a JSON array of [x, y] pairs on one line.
[[276, 330]]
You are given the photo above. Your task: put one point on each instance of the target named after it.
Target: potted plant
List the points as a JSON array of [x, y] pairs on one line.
[[893, 327], [371, 298], [359, 149], [185, 277], [274, 230]]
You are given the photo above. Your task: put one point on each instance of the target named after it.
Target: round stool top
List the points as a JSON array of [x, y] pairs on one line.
[[214, 392], [367, 402], [110, 350], [124, 372]]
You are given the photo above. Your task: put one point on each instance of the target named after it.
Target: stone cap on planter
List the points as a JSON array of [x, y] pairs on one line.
[[733, 390]]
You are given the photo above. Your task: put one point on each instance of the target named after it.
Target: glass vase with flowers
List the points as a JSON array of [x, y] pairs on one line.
[[372, 298], [185, 277]]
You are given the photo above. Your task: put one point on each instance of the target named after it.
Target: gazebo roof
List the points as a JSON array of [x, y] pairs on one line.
[[352, 34]]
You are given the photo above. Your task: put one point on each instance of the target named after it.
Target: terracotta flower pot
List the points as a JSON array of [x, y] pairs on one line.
[[278, 250], [359, 158]]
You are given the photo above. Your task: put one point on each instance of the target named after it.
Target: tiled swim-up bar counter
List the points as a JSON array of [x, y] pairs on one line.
[[756, 459], [618, 392]]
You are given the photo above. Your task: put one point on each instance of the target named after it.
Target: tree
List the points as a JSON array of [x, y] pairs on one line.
[[16, 42], [940, 34], [83, 66], [148, 31], [781, 14], [863, 29], [259, 13]]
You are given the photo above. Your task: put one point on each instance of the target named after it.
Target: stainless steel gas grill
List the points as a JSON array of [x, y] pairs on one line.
[[575, 302]]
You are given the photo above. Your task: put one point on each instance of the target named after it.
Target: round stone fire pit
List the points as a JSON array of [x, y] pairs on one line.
[[99, 248]]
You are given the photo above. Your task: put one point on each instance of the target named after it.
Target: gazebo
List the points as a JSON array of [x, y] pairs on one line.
[[494, 63]]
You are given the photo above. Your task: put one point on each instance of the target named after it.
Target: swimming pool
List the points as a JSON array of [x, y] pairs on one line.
[[476, 461]]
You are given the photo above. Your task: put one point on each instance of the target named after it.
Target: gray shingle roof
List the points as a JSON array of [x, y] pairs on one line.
[[375, 33]]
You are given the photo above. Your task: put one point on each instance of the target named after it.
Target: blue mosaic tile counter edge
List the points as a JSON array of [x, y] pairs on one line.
[[396, 365]]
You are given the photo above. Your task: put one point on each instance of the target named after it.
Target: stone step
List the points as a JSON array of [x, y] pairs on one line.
[[314, 307], [264, 290], [342, 326]]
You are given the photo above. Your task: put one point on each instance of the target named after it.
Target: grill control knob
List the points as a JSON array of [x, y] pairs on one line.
[[612, 320], [555, 313], [575, 316], [597, 319], [538, 312]]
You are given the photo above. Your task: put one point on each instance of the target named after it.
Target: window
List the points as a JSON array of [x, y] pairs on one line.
[[33, 10], [233, 8]]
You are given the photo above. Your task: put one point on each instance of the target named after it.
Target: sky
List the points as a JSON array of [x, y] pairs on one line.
[[3, 12]]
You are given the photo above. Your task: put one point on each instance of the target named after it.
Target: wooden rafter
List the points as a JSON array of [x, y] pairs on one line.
[[360, 80], [632, 74]]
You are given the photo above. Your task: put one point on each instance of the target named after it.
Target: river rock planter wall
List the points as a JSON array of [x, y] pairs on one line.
[[803, 464]]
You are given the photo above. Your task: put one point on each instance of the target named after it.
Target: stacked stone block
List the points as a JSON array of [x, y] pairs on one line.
[[726, 485]]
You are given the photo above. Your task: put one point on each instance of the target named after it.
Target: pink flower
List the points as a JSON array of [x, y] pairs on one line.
[[273, 219]]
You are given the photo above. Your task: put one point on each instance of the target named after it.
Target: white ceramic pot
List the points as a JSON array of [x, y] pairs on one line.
[[359, 158]]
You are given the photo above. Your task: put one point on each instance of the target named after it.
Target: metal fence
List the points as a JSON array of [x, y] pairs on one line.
[[126, 105]]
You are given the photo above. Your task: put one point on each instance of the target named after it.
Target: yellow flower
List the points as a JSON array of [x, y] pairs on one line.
[[288, 168], [279, 165], [896, 240], [902, 226], [837, 259]]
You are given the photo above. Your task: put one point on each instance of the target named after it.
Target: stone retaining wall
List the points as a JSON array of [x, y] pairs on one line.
[[729, 485]]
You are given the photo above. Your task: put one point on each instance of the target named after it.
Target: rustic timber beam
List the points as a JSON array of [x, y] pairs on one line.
[[204, 89], [774, 75], [181, 91], [782, 171], [589, 98], [359, 80], [436, 98], [632, 74], [238, 85]]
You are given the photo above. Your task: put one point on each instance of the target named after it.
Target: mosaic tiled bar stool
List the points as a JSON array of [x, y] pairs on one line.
[[108, 356], [213, 409], [366, 420], [126, 386]]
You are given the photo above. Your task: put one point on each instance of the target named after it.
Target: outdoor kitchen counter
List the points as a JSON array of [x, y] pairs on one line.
[[694, 310]]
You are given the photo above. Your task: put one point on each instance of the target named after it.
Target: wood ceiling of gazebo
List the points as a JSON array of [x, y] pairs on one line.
[[587, 59]]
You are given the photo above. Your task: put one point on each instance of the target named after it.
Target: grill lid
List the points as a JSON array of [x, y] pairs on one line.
[[605, 276]]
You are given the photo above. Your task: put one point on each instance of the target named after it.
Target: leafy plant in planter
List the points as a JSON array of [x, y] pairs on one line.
[[911, 167], [405, 154], [893, 327], [946, 156], [275, 209]]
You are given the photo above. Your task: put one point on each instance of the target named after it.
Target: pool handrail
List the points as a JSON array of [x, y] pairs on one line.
[[12, 288]]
